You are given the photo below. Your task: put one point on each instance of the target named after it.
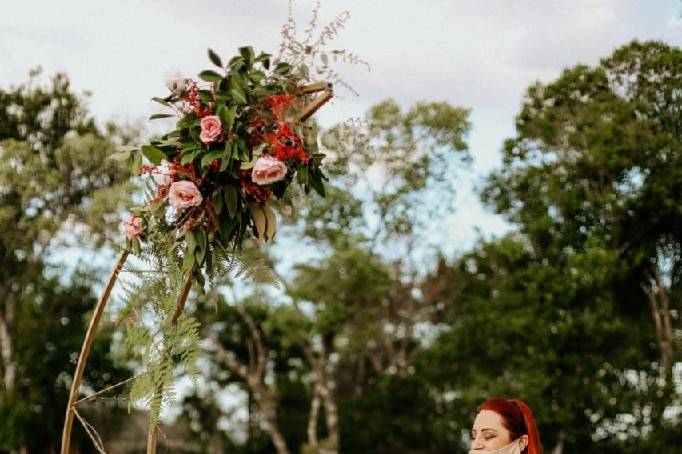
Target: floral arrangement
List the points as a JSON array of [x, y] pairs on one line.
[[240, 140]]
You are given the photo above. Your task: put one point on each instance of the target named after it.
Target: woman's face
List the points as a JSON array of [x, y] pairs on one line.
[[488, 432]]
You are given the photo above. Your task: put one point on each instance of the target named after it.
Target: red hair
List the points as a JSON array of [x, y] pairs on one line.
[[518, 419]]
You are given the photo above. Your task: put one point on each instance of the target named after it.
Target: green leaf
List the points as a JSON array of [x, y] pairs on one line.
[[259, 220], [121, 155], [243, 150], [215, 58], [271, 222], [221, 97], [228, 157], [238, 95], [231, 200], [206, 96], [187, 261], [135, 162], [227, 117], [191, 241], [247, 53], [201, 245], [210, 157], [305, 72], [227, 230], [210, 76], [258, 150], [316, 182], [264, 59], [157, 116], [236, 63], [302, 175], [188, 157], [153, 154], [218, 202], [248, 164], [282, 68], [161, 101]]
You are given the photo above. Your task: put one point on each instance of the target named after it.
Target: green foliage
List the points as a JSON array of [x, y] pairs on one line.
[[50, 328], [153, 334], [549, 333], [57, 188], [591, 180], [49, 175], [396, 415]]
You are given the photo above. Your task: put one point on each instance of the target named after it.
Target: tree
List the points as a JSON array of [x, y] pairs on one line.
[[350, 316], [551, 333], [56, 188], [51, 323], [598, 155], [592, 179]]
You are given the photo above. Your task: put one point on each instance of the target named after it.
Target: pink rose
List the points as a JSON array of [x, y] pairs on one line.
[[133, 227], [184, 194], [211, 129], [268, 170]]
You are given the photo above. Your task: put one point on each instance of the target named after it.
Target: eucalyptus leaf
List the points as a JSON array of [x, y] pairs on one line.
[[191, 241], [259, 220], [187, 261], [161, 101], [161, 115], [231, 200], [271, 220], [302, 175], [218, 202]]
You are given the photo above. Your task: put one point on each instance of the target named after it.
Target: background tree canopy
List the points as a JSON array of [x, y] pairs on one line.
[[377, 342]]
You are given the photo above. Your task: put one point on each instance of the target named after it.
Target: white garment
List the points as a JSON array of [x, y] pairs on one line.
[[512, 448]]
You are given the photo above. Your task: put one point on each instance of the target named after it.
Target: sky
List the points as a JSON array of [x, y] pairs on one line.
[[479, 54]]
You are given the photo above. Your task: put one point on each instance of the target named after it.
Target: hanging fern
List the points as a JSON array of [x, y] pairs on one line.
[[162, 342]]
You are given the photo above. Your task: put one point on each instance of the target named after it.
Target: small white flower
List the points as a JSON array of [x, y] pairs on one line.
[[162, 175], [177, 86]]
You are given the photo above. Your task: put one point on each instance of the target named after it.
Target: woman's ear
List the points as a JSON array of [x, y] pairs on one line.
[[523, 441]]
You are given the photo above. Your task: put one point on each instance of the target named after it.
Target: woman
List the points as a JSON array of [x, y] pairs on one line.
[[505, 426]]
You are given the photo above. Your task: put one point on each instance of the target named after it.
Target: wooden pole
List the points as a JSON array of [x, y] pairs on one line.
[[316, 103], [179, 308], [85, 351]]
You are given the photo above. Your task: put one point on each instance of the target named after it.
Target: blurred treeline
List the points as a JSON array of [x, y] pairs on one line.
[[377, 341]]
